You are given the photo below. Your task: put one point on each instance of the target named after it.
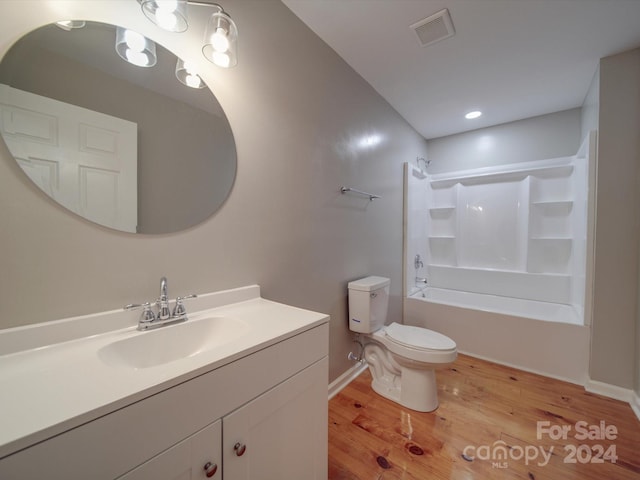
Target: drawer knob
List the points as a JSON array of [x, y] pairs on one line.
[[240, 448], [210, 469]]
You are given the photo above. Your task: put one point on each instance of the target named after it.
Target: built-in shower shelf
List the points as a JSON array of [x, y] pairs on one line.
[[442, 209], [552, 207], [440, 181], [551, 238], [553, 203]]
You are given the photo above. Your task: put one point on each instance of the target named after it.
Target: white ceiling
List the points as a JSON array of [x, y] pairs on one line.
[[511, 59]]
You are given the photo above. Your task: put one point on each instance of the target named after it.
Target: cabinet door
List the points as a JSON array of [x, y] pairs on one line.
[[282, 434], [196, 457]]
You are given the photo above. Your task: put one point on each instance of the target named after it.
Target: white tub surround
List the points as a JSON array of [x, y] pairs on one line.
[[517, 231], [554, 349], [56, 384]]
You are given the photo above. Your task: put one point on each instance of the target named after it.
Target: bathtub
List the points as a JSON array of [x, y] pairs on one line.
[[506, 330], [516, 307]]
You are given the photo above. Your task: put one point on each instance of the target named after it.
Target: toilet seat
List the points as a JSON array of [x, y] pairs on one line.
[[417, 344], [418, 338]]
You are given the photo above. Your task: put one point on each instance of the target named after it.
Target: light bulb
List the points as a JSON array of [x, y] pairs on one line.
[[221, 59], [166, 18], [219, 40], [190, 68], [193, 81], [472, 115], [135, 41], [140, 59]]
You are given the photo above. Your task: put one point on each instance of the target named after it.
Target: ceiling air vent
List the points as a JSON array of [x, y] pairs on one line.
[[434, 28]]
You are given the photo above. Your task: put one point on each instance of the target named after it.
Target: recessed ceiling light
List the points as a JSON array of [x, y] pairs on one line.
[[472, 115]]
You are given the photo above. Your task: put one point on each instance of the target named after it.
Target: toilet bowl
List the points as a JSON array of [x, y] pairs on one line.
[[402, 359]]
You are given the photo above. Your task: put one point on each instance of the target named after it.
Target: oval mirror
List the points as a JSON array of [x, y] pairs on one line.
[[125, 146]]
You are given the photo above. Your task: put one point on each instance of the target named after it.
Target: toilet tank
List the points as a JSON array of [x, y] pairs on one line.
[[368, 304]]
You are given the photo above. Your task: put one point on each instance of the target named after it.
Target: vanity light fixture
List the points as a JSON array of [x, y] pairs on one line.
[[472, 115], [135, 48], [221, 34], [187, 73]]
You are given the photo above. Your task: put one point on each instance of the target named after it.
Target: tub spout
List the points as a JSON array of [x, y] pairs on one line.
[[421, 280]]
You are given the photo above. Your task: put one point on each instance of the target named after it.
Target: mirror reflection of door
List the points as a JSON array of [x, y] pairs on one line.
[[85, 160]]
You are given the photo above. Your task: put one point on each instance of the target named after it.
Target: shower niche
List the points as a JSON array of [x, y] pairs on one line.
[[517, 231]]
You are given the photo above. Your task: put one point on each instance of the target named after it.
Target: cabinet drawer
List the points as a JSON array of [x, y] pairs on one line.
[[116, 443]]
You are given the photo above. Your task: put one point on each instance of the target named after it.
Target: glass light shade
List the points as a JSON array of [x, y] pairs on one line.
[[221, 40], [69, 25], [135, 48], [170, 15], [187, 73]]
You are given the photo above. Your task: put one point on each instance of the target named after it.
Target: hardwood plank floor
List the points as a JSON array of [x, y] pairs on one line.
[[486, 427]]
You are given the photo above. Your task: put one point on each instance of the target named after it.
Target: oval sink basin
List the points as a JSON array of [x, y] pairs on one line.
[[172, 342]]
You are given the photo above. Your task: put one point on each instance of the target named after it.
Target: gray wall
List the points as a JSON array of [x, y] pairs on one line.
[[591, 106], [297, 112], [615, 308], [537, 138]]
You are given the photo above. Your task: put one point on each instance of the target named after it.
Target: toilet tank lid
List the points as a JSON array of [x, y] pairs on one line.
[[369, 284]]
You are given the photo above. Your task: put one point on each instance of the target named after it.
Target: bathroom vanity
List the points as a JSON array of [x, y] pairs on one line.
[[238, 391]]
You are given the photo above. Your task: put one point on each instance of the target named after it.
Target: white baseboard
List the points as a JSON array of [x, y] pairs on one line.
[[635, 404], [346, 378], [608, 390]]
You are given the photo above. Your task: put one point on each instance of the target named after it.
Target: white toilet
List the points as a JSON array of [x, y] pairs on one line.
[[402, 359]]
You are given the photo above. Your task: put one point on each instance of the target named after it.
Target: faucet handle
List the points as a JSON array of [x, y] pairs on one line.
[[147, 314], [179, 309]]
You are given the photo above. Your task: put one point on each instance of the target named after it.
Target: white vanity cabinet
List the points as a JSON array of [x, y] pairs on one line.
[[272, 402], [279, 435], [196, 457]]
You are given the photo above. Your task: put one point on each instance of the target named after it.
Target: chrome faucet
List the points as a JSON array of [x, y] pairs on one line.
[[149, 319], [417, 263], [163, 301]]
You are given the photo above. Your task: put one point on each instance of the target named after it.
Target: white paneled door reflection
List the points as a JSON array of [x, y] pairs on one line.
[[85, 160]]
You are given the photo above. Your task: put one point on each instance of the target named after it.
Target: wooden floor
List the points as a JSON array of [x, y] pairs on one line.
[[484, 428]]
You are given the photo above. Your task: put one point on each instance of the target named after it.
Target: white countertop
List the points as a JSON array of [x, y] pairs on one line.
[[51, 388]]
